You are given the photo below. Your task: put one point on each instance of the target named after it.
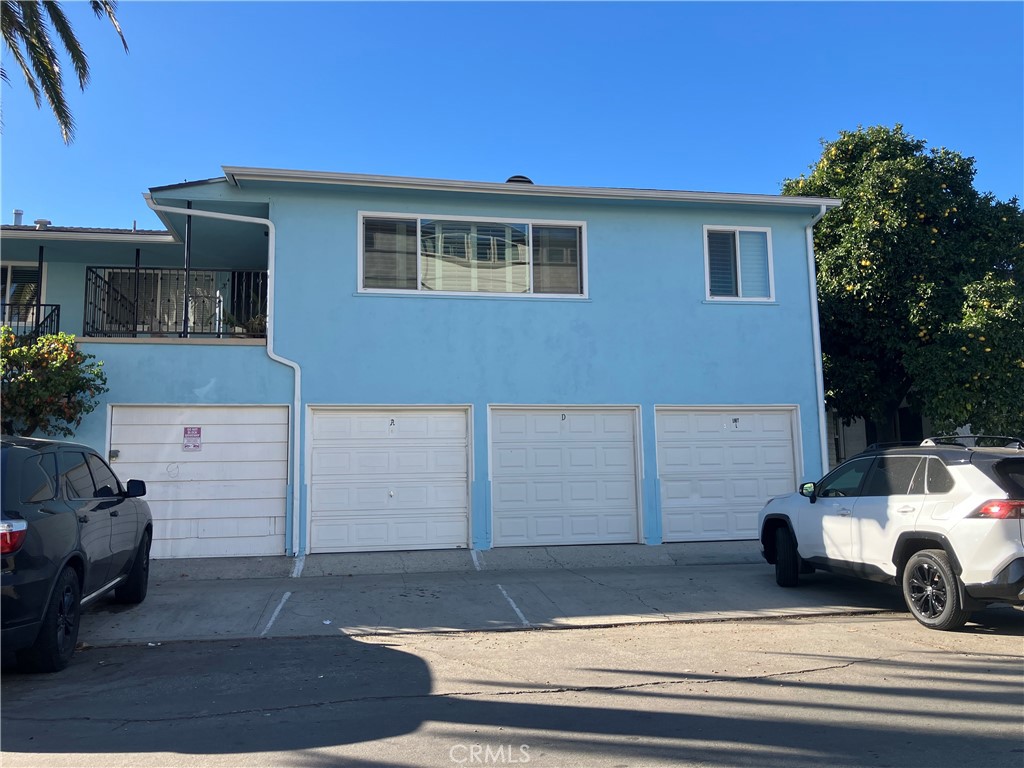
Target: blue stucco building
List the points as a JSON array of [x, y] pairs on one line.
[[329, 362]]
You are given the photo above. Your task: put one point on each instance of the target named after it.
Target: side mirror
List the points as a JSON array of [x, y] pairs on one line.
[[808, 490], [136, 488]]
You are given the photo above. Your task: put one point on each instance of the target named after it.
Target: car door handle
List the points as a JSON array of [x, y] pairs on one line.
[[845, 512], [83, 518], [906, 510], [114, 513]]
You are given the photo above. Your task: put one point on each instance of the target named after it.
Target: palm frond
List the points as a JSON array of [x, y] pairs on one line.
[[109, 7], [46, 65], [70, 42]]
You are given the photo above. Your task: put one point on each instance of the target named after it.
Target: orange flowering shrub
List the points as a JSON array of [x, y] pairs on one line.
[[46, 384]]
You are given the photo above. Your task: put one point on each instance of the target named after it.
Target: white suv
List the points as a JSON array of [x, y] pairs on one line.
[[944, 519]]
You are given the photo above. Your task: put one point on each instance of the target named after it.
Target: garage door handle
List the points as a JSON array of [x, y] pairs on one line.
[[83, 518]]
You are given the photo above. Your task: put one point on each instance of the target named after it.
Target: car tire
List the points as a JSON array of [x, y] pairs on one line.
[[932, 592], [787, 560], [133, 589], [58, 631]]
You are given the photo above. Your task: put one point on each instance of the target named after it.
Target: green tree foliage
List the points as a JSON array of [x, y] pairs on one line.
[[46, 384], [919, 283], [28, 31]]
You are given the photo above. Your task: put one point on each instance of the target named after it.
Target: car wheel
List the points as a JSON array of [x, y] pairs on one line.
[[787, 560], [134, 588], [931, 591], [58, 632]]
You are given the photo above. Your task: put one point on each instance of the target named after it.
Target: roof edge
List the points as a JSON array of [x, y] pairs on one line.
[[235, 175], [87, 234]]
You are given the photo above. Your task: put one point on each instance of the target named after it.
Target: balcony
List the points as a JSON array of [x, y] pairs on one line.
[[122, 302], [31, 320]]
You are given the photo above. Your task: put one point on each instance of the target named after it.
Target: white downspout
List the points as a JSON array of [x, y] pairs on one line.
[[819, 377], [297, 404]]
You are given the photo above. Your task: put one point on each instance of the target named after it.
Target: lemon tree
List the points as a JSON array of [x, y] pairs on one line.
[[919, 283]]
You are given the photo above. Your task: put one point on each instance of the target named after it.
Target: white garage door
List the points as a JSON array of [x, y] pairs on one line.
[[216, 476], [718, 467], [389, 480], [564, 476]]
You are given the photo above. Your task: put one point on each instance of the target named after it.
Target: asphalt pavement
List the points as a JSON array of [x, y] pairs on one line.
[[460, 590]]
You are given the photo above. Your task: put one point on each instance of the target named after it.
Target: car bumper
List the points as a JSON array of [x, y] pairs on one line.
[[1006, 587], [24, 592]]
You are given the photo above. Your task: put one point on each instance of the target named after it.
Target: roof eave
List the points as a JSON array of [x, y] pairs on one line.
[[95, 237], [236, 175]]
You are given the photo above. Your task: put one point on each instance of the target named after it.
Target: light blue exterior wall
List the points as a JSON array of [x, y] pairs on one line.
[[644, 336]]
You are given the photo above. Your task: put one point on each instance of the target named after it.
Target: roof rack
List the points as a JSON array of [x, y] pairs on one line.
[[893, 444], [976, 441]]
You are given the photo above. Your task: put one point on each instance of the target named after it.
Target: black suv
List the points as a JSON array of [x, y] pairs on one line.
[[70, 532]]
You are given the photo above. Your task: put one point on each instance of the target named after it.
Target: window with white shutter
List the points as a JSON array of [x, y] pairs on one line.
[[738, 261]]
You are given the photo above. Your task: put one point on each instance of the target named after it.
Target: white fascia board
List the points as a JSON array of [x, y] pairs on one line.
[[236, 175], [94, 237]]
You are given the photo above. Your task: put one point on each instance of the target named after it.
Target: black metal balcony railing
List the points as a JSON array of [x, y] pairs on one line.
[[127, 302], [31, 320]]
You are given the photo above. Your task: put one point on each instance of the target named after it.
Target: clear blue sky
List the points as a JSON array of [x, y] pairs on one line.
[[727, 97]]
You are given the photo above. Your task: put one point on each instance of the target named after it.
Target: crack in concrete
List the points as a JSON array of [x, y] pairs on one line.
[[623, 590]]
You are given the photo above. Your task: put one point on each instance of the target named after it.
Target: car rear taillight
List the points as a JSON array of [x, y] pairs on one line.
[[1000, 509], [12, 535]]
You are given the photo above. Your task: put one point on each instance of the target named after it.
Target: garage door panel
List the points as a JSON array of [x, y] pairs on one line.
[[230, 434], [365, 428], [575, 427], [564, 476], [226, 499], [717, 468], [526, 494], [162, 415], [533, 460], [203, 509], [348, 498], [374, 533], [205, 490], [172, 453], [193, 471], [389, 479], [360, 462]]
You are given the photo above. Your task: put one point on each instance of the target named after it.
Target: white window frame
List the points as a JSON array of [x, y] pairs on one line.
[[736, 229], [419, 217]]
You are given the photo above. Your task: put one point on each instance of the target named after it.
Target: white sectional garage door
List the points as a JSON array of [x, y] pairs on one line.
[[717, 468], [216, 476], [563, 476], [390, 479]]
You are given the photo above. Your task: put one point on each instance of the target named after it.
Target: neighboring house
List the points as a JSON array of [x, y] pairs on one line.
[[323, 362]]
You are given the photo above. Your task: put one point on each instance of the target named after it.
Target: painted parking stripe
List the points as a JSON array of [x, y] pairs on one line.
[[514, 606]]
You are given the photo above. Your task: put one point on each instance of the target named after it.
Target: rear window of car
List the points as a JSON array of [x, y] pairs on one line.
[[1010, 474], [39, 478]]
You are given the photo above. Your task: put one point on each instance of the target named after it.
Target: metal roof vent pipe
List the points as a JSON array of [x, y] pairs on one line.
[[18, 213], [519, 180], [42, 223]]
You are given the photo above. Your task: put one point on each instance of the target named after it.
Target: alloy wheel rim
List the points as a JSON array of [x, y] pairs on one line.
[[927, 590]]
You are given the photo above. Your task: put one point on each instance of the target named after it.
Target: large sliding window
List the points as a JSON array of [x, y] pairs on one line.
[[471, 256], [739, 263]]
